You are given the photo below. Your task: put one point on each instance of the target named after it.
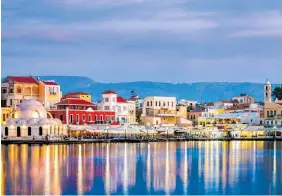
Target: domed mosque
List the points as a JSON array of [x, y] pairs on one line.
[[31, 119]]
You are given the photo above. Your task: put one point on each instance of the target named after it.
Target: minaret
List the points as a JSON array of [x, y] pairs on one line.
[[267, 92]]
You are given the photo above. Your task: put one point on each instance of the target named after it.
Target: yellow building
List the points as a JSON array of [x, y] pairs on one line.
[[5, 111], [159, 110], [273, 113], [131, 112], [181, 111], [49, 93], [78, 95], [15, 89]]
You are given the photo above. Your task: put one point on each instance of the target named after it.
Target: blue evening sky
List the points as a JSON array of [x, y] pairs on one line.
[[132, 40]]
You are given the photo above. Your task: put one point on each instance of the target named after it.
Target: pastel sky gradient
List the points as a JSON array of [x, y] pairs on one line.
[[155, 40]]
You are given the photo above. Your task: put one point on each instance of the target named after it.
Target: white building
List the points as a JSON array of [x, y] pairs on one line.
[[223, 104], [244, 99], [31, 119], [113, 102], [187, 102], [159, 110]]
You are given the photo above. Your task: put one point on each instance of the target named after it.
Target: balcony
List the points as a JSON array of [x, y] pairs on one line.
[[272, 117], [52, 93]]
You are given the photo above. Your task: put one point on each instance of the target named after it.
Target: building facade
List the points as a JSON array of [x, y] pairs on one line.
[[81, 112], [111, 101], [244, 99], [31, 119], [49, 93], [16, 89], [159, 110], [78, 95]]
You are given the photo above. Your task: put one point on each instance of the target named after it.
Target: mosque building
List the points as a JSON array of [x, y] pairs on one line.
[[31, 119]]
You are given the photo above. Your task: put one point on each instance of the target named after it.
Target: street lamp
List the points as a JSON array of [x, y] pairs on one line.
[[274, 131], [107, 132]]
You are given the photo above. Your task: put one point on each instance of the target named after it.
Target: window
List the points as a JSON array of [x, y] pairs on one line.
[[11, 90], [95, 117], [124, 108], [107, 118], [106, 99], [71, 118], [61, 117], [11, 102], [18, 132], [106, 107], [40, 131], [267, 113], [151, 103], [29, 131], [274, 112], [159, 104], [4, 90], [77, 118], [4, 117], [168, 103], [83, 117], [19, 90], [89, 117], [114, 99], [148, 103], [101, 118], [266, 88], [172, 104], [156, 103], [113, 118], [6, 131], [164, 104]]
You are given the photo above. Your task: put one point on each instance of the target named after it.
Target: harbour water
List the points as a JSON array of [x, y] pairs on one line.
[[192, 167]]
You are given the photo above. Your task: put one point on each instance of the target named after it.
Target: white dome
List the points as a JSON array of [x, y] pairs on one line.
[[31, 109]]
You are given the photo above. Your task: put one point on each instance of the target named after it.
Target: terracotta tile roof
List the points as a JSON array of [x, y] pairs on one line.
[[210, 104], [49, 83], [75, 102], [239, 107], [23, 79], [77, 93], [225, 101], [121, 100], [109, 92]]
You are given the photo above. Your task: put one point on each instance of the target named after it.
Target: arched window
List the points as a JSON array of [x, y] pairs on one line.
[[267, 113], [18, 132], [29, 131], [6, 131], [89, 117], [40, 131]]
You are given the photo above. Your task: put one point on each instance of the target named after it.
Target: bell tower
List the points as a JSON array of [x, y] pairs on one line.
[[267, 92]]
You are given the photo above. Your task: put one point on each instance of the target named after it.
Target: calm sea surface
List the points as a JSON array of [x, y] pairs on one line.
[[195, 167]]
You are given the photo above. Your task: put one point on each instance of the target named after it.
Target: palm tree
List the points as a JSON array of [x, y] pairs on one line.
[[277, 93]]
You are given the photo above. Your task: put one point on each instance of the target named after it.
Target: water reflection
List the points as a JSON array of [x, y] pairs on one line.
[[237, 167]]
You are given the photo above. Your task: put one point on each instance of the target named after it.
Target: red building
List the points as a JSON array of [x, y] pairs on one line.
[[79, 111]]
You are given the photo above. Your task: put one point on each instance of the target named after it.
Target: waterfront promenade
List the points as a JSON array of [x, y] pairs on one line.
[[73, 140]]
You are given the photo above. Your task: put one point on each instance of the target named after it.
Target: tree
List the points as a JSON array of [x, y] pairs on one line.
[[277, 92]]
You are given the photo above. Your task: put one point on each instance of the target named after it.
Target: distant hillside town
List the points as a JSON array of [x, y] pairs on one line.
[[31, 106]]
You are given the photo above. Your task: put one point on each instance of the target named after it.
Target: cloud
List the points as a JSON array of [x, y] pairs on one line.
[[258, 24]]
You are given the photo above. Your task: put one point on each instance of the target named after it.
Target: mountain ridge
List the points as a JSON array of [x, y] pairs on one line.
[[199, 91]]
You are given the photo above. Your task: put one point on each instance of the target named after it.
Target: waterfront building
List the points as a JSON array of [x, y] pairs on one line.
[[113, 102], [223, 104], [188, 103], [194, 115], [15, 89], [49, 93], [181, 115], [81, 112], [131, 112], [5, 112], [159, 110], [78, 95], [243, 99], [272, 110], [31, 118]]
